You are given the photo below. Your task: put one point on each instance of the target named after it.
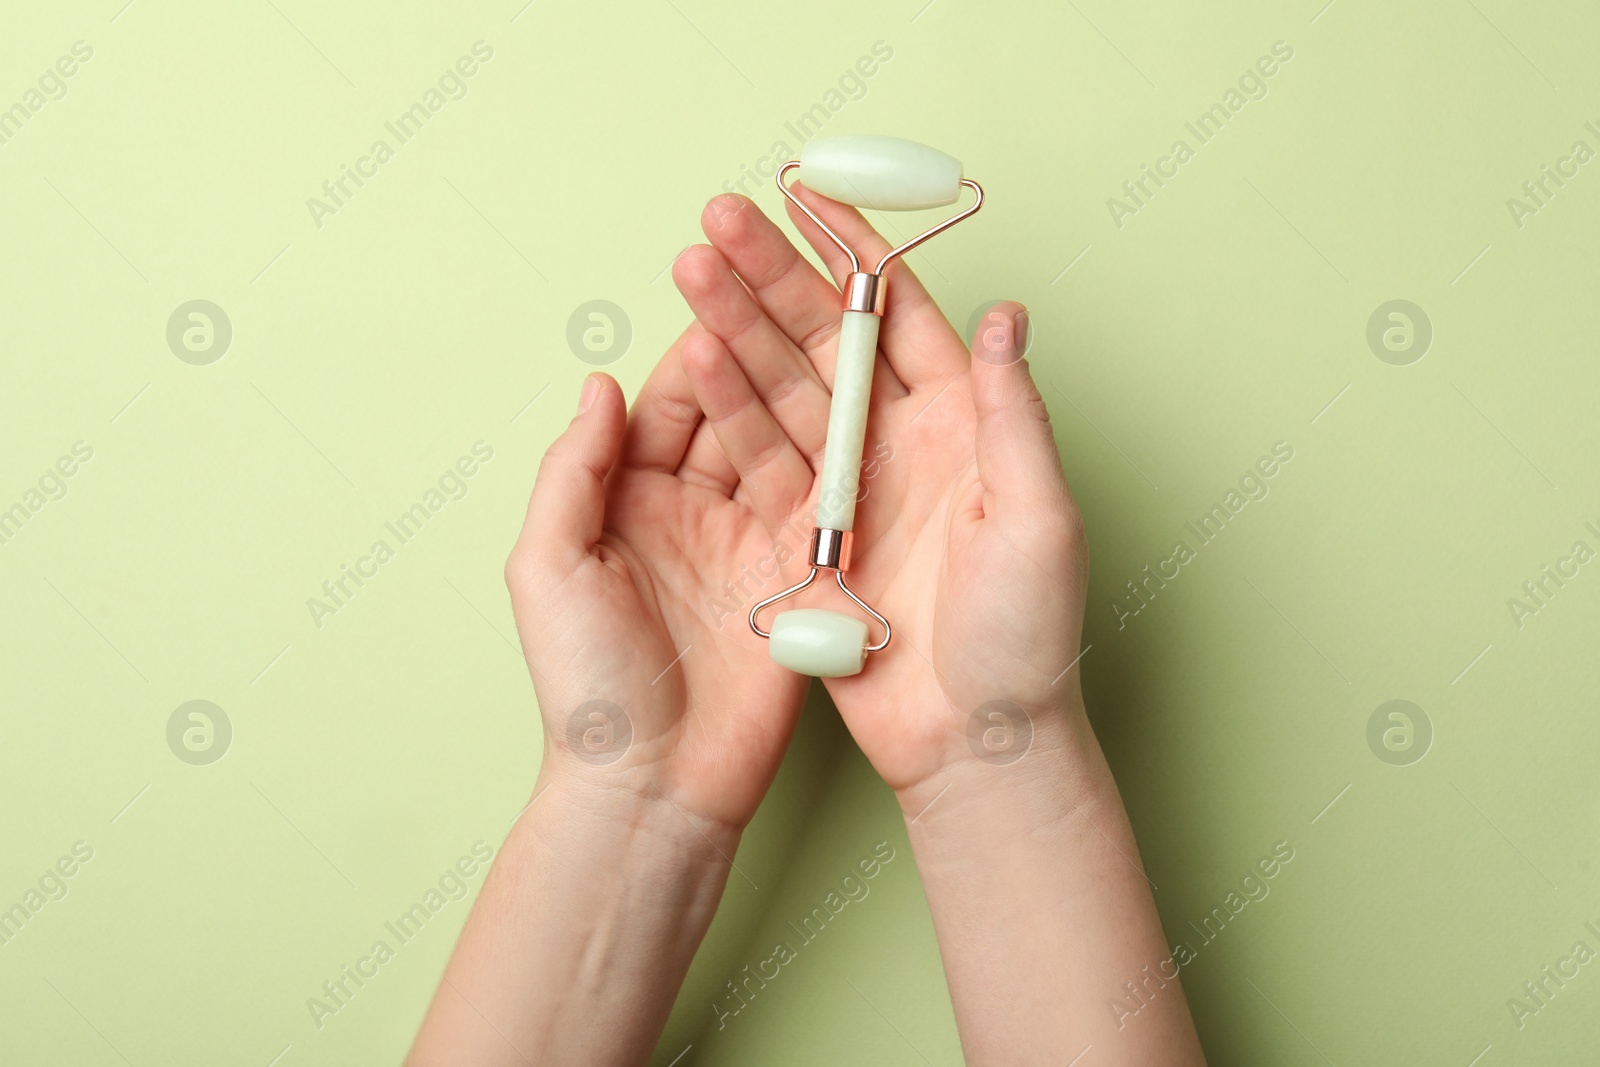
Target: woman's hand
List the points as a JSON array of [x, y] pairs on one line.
[[969, 542], [617, 583], [663, 728]]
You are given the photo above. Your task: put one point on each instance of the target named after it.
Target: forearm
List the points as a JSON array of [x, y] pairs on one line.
[[581, 935], [1043, 911]]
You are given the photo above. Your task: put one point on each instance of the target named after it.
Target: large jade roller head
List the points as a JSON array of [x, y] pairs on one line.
[[884, 173], [888, 174]]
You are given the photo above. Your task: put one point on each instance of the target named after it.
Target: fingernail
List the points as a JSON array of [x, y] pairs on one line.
[[1020, 328], [998, 338], [591, 390], [725, 206]]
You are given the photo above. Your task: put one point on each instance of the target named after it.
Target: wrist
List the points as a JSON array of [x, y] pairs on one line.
[[593, 910], [651, 757], [620, 814], [1023, 766]]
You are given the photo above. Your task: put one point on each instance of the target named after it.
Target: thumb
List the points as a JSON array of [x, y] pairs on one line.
[[1017, 458], [567, 510]]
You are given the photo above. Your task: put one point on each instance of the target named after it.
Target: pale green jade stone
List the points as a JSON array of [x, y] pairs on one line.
[[823, 644], [886, 173], [847, 420]]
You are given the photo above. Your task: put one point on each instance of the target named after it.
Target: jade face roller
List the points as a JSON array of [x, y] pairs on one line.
[[885, 173]]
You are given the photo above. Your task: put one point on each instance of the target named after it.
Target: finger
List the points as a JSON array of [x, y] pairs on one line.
[[1017, 458], [706, 464], [566, 512], [915, 334], [664, 415], [802, 303], [666, 432], [778, 372], [772, 472]]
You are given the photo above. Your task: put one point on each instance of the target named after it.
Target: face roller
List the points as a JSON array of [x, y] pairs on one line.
[[887, 174]]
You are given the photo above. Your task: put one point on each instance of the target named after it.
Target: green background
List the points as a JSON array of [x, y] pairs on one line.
[[1228, 313]]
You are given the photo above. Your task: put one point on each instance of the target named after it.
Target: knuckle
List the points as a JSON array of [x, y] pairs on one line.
[[517, 567], [1034, 404]]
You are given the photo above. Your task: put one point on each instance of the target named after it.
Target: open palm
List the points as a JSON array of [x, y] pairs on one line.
[[619, 609], [967, 539]]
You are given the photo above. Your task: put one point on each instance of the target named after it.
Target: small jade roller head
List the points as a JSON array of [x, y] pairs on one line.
[[887, 174], [823, 644]]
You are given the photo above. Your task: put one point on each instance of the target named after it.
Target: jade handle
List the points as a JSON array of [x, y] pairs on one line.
[[847, 420]]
